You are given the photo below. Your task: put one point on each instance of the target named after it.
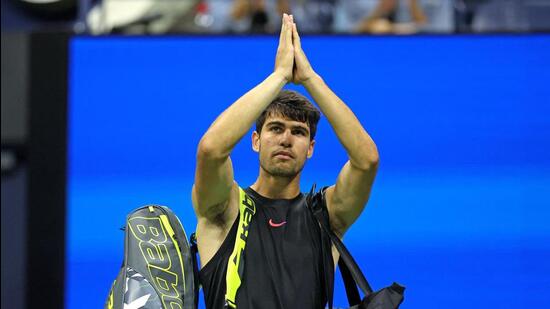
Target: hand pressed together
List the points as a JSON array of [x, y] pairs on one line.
[[291, 61], [284, 61]]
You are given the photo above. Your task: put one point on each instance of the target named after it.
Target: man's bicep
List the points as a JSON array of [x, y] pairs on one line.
[[213, 184], [348, 197]]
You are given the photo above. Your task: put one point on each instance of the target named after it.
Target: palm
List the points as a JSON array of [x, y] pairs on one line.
[[302, 69]]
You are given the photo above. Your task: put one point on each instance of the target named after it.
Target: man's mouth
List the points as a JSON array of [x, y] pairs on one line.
[[283, 155]]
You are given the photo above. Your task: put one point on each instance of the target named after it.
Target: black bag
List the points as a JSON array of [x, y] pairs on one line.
[[387, 298], [159, 268]]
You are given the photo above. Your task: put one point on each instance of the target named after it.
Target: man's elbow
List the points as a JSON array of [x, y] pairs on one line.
[[209, 148], [374, 159], [368, 161]]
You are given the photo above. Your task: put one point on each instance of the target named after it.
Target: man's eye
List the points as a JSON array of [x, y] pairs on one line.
[[299, 132], [276, 129]]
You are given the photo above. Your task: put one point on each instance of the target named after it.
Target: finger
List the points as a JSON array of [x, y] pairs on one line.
[[288, 30], [296, 37], [282, 35], [291, 23]]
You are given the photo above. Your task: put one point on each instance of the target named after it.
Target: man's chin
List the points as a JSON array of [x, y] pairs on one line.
[[285, 169], [282, 172]]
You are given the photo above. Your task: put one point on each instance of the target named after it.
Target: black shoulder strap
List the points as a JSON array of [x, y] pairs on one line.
[[351, 273], [326, 259], [351, 287], [194, 253]]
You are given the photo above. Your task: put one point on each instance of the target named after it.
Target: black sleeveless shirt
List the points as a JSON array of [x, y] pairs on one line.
[[285, 258]]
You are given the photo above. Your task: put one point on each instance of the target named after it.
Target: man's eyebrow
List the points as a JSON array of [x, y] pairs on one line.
[[304, 128], [279, 123], [274, 122]]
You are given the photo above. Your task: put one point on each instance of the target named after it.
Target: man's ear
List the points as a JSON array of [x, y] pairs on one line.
[[310, 149], [256, 141]]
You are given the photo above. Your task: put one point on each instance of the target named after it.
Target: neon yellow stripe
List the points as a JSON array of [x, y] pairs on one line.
[[111, 302], [232, 278], [168, 227], [151, 209]]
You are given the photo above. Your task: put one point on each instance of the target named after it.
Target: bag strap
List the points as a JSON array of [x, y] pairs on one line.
[[235, 265], [350, 285], [351, 273], [327, 262], [194, 253]]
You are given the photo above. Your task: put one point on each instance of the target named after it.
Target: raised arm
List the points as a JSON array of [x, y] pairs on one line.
[[347, 198], [214, 171]]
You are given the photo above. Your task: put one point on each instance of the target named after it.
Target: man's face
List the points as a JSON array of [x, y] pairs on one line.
[[284, 146]]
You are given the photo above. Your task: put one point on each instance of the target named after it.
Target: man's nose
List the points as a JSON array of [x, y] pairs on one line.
[[286, 139]]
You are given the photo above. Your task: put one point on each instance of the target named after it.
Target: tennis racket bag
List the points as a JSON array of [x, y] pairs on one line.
[[159, 268]]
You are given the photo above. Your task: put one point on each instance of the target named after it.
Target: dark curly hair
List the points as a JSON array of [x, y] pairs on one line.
[[294, 106]]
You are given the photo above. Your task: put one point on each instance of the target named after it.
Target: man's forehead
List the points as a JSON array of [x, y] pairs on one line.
[[286, 122]]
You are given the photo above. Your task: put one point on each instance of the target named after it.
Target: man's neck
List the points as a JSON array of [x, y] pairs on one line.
[[276, 187]]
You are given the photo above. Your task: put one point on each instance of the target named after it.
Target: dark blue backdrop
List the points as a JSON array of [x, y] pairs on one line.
[[460, 207]]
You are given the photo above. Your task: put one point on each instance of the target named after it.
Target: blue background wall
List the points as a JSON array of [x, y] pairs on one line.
[[460, 207]]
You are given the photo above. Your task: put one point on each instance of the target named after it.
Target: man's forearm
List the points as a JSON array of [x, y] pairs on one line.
[[357, 142], [236, 120]]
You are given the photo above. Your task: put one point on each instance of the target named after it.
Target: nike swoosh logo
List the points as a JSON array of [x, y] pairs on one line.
[[273, 224]]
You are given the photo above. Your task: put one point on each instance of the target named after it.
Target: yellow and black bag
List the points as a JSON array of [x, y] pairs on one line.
[[159, 268]]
